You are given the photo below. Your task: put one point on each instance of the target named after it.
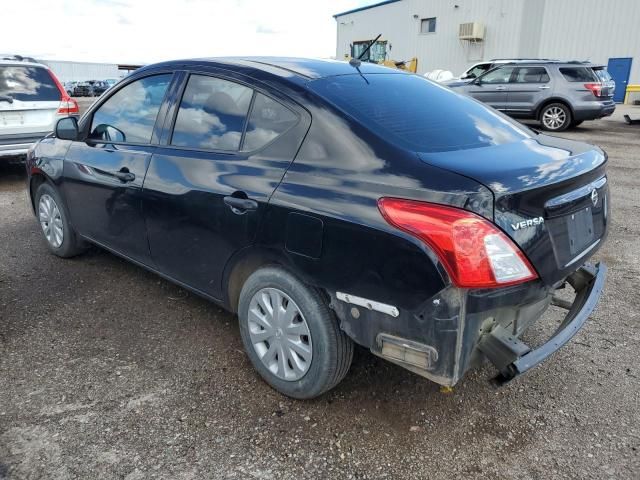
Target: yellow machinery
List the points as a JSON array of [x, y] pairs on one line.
[[375, 51]]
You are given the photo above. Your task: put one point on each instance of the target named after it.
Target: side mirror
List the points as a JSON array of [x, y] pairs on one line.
[[67, 128]]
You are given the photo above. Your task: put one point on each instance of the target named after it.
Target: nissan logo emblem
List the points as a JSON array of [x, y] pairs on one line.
[[594, 197]]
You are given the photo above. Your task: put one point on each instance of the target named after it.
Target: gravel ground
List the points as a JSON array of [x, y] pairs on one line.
[[107, 371]]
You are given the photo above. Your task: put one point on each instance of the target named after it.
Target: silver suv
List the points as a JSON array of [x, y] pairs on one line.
[[32, 100], [558, 94]]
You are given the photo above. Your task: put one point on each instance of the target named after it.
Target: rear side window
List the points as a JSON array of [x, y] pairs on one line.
[[531, 75], [578, 74], [268, 120], [212, 114], [130, 114], [28, 84], [417, 114]]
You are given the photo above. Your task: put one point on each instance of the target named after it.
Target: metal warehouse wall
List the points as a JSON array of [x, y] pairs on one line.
[[593, 30], [564, 29], [79, 71], [442, 49]]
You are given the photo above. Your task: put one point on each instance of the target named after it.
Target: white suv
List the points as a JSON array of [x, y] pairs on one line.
[[32, 100]]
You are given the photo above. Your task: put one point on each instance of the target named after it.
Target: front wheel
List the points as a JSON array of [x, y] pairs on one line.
[[555, 117], [291, 336], [54, 222]]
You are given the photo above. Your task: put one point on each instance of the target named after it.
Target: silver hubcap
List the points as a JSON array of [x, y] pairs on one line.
[[50, 220], [280, 334], [554, 118]]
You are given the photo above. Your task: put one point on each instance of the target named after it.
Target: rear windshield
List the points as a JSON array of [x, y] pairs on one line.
[[28, 84], [602, 74], [416, 113], [578, 74]]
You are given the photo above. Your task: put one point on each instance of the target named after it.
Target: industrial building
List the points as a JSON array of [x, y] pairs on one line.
[[455, 34], [69, 71]]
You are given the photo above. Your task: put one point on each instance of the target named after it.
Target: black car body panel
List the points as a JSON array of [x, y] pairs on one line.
[[313, 194]]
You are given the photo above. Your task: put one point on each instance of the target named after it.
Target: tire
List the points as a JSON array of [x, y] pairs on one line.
[[298, 376], [52, 212], [555, 117]]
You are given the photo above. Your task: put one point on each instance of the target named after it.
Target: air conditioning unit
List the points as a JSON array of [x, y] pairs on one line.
[[471, 31]]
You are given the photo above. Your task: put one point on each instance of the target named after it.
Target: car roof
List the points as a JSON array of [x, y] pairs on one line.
[[20, 63], [302, 69]]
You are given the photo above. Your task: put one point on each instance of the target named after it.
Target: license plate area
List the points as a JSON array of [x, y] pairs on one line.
[[580, 230], [11, 119]]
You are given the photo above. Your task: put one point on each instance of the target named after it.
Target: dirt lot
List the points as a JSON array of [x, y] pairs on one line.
[[107, 371]]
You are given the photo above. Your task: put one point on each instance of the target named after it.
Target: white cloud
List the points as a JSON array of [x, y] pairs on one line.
[[146, 31]]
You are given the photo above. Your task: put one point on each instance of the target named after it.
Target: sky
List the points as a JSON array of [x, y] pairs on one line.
[[147, 31]]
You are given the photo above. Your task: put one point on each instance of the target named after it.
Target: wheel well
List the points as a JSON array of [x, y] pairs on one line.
[[554, 100], [251, 261], [36, 180]]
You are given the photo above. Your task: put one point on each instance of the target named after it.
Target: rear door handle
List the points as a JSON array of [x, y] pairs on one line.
[[500, 88], [240, 206], [544, 87]]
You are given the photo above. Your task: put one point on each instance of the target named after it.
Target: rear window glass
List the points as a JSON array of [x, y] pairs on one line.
[[578, 74], [418, 114], [28, 84], [602, 74]]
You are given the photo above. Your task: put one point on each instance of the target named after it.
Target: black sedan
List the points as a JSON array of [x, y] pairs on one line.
[[328, 203]]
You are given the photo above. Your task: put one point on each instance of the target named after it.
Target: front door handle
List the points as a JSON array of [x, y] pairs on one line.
[[500, 88], [240, 206], [124, 175], [544, 87]]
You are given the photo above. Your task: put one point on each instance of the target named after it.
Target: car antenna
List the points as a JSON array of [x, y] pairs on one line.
[[356, 62]]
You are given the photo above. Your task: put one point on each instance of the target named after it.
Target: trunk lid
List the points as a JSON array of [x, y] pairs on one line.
[[551, 197]]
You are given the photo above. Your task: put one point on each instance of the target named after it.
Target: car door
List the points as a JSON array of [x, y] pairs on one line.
[[528, 88], [222, 155], [105, 171], [492, 87]]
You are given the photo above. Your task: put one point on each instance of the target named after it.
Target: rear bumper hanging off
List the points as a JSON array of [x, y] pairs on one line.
[[513, 358]]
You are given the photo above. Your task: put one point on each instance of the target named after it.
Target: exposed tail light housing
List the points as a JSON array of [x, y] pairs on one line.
[[475, 253], [596, 88], [68, 106]]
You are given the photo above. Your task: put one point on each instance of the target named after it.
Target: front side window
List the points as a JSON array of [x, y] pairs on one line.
[[498, 75], [531, 75], [130, 114], [428, 25], [212, 114], [28, 84], [268, 120], [478, 70]]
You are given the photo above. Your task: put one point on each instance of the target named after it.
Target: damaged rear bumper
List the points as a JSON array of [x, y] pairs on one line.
[[513, 358], [458, 329]]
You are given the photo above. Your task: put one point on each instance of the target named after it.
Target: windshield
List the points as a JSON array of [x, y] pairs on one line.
[[418, 114], [28, 84]]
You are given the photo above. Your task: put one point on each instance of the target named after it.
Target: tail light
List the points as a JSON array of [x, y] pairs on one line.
[[596, 88], [475, 253], [68, 106]]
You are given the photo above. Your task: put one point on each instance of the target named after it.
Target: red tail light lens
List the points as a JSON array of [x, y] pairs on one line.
[[596, 88], [68, 106], [475, 253]]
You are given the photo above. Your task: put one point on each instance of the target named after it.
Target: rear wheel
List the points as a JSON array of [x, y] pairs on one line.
[[291, 336], [555, 117], [54, 223]]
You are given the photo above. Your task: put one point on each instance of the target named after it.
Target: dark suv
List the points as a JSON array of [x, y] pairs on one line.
[[422, 225], [558, 94]]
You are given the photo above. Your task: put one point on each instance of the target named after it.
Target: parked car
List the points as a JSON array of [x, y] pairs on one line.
[[98, 87], [558, 94], [278, 189], [477, 69], [83, 89], [111, 81], [31, 102], [69, 87]]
